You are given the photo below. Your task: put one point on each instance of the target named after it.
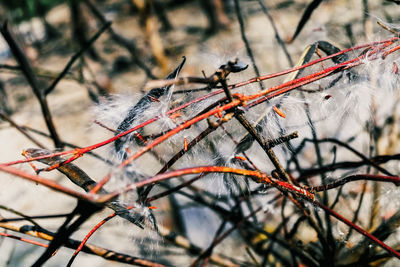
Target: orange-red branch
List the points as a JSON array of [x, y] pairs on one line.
[[48, 183], [266, 94], [24, 240], [257, 176], [358, 229]]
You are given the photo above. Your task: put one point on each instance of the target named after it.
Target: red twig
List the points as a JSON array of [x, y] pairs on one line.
[[108, 141], [168, 135], [48, 183], [259, 177], [279, 89], [94, 229], [358, 229], [24, 240], [266, 94]]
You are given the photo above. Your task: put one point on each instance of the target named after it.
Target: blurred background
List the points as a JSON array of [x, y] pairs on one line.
[[146, 41]]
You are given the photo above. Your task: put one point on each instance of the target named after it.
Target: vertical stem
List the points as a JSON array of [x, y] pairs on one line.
[[331, 240], [33, 82], [277, 36], [246, 42]]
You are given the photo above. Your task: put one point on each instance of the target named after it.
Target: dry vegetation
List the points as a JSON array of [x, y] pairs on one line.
[[227, 133]]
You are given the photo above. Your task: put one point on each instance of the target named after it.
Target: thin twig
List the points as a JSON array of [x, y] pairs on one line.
[[277, 36], [20, 129], [27, 70], [246, 42], [76, 56]]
